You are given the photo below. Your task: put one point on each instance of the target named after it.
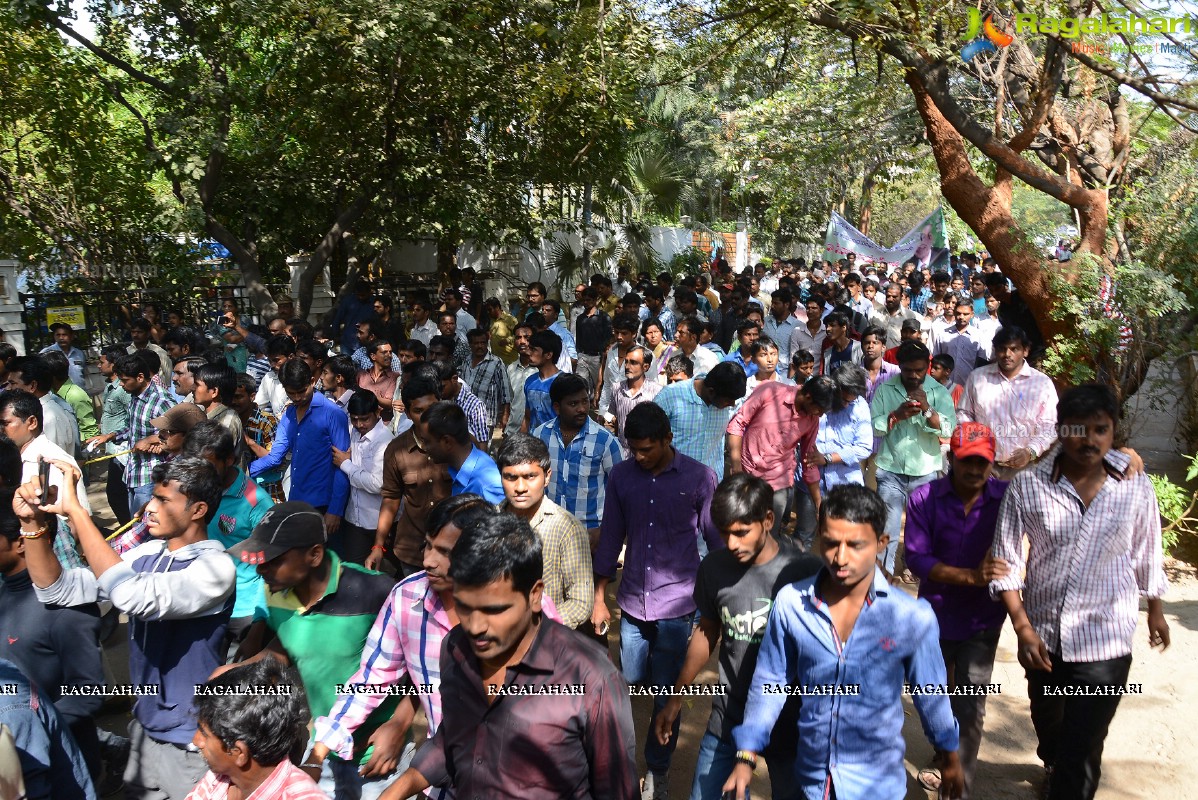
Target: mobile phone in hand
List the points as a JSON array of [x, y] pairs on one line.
[[43, 471]]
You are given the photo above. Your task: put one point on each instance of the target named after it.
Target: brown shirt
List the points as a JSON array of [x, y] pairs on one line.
[[409, 474], [533, 744]]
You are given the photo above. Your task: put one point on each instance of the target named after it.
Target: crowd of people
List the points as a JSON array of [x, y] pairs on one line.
[[839, 481]]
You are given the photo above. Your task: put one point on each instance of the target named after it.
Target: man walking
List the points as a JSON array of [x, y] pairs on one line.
[[657, 504], [1094, 549], [950, 530], [912, 413]]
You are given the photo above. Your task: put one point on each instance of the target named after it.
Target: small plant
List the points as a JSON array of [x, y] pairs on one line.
[[1178, 506], [689, 261]]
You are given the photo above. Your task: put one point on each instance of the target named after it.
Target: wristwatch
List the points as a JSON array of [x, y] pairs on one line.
[[928, 414]]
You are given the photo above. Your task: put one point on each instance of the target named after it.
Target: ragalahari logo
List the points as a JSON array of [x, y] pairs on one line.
[[982, 36]]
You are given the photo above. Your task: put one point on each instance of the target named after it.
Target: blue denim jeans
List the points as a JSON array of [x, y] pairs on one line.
[[652, 653], [139, 496], [895, 490], [339, 779], [717, 757]]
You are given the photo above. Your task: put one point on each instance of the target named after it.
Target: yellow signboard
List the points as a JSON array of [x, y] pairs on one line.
[[71, 315]]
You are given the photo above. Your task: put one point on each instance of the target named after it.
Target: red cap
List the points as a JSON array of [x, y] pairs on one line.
[[972, 439]]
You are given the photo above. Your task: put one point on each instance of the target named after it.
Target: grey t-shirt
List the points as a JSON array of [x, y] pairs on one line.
[[739, 599]]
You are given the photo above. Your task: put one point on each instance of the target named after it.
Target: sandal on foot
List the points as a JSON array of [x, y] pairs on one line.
[[929, 778]]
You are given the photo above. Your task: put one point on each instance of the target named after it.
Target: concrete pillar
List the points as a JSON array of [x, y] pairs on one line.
[[10, 306]]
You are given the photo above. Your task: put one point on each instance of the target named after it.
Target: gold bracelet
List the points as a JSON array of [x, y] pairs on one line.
[[37, 534]]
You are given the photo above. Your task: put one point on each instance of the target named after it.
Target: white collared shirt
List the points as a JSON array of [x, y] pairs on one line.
[[364, 468], [1086, 567]]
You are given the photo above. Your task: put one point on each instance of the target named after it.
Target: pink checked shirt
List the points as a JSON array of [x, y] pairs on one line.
[[1022, 411], [287, 782]]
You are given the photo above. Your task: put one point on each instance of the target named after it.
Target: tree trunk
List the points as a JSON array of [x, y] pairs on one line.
[[987, 211], [865, 217], [324, 250], [447, 257]]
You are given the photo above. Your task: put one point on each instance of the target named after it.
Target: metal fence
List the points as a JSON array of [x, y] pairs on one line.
[[102, 317]]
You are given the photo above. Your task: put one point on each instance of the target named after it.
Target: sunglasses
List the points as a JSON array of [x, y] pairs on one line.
[[168, 432]]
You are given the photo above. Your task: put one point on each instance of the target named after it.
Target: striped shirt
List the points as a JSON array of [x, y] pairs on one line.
[[404, 640], [517, 374], [624, 400], [287, 782], [489, 382], [151, 403], [261, 427], [476, 414], [1021, 411], [1087, 568], [579, 476], [697, 427], [966, 347]]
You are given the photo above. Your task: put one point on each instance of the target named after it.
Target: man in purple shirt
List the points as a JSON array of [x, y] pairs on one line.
[[657, 502], [950, 530]]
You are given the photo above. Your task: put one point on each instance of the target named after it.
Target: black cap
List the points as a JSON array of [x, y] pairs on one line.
[[286, 526]]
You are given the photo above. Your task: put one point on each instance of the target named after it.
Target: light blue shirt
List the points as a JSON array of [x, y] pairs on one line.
[[697, 427], [856, 741], [848, 432], [77, 362], [580, 468], [568, 344]]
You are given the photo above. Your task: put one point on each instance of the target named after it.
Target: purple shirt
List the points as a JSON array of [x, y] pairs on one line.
[[659, 516], [939, 532]]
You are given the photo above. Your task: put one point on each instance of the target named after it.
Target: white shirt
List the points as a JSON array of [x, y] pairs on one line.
[[58, 423], [703, 360], [424, 333], [1022, 411], [364, 468], [1086, 568], [271, 395]]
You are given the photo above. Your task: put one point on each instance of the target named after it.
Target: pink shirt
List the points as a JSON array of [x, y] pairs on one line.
[[771, 429], [287, 782]]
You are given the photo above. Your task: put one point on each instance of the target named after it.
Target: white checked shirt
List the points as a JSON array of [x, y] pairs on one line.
[[1022, 411], [1087, 568], [364, 468]]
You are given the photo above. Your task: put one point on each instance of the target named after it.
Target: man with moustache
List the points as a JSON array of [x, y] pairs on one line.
[[950, 529], [1094, 550]]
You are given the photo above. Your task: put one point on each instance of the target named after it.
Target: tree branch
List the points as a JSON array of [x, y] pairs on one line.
[[111, 59]]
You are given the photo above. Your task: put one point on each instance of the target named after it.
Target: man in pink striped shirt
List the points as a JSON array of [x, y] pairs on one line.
[[1013, 399], [1094, 535], [250, 719]]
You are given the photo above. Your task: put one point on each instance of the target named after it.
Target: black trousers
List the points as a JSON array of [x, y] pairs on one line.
[[117, 492], [1072, 728], [351, 543]]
